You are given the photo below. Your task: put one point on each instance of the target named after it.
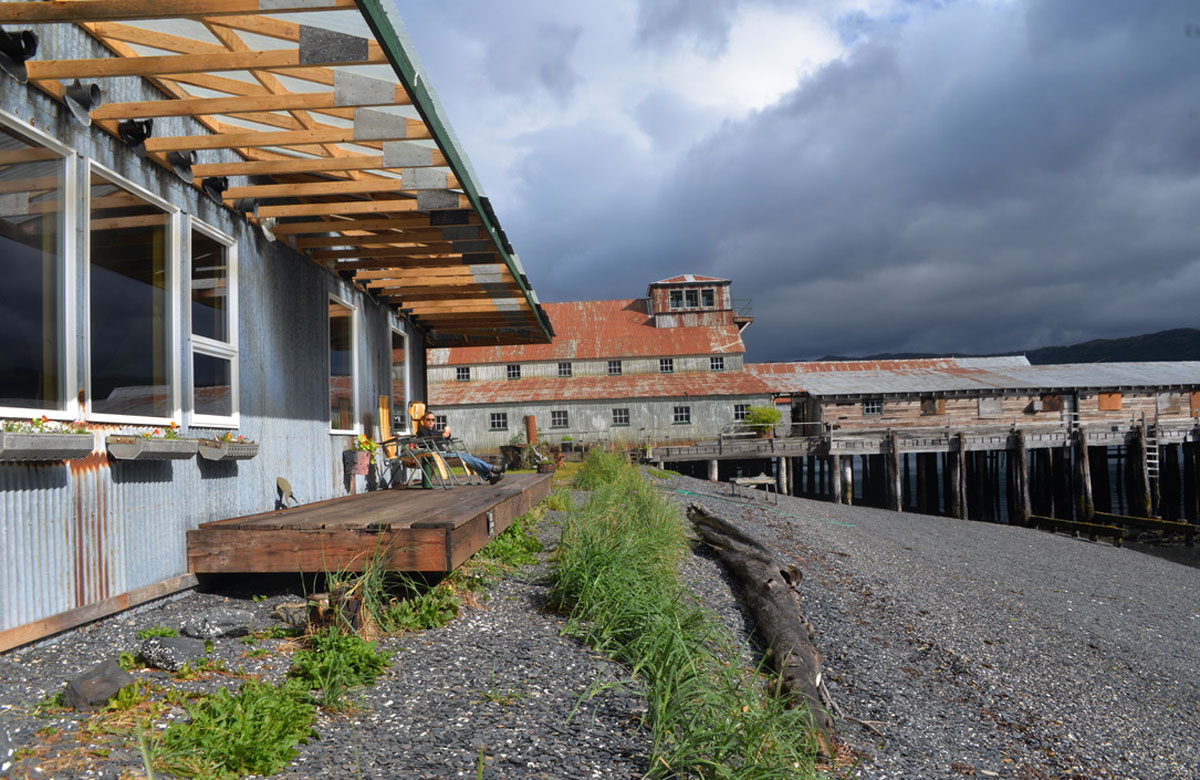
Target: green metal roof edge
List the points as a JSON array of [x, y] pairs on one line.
[[385, 27]]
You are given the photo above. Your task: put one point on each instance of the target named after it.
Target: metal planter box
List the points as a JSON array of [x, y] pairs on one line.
[[217, 449], [123, 447], [45, 446]]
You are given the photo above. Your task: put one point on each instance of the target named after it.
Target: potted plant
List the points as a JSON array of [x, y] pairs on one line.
[[227, 446], [762, 420], [357, 459], [158, 444], [41, 439]]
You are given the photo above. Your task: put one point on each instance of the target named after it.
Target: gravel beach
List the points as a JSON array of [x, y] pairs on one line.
[[967, 649]]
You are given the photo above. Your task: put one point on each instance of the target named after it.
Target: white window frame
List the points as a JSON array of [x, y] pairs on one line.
[[510, 369], [740, 412], [565, 371], [872, 407], [211, 347], [566, 423], [356, 425], [174, 295], [395, 328], [624, 412], [716, 363], [684, 412], [462, 373], [666, 365], [620, 369], [68, 287], [492, 418]]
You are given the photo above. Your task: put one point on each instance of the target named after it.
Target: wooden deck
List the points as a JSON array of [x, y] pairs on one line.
[[412, 530]]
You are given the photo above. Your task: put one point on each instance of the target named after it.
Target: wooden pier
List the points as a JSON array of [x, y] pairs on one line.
[[409, 530]]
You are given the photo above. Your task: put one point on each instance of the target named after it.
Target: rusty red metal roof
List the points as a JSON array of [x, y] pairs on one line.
[[592, 330], [584, 388]]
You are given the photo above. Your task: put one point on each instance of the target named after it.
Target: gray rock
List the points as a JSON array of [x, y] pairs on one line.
[[293, 614], [7, 751], [219, 622], [97, 685], [171, 652]]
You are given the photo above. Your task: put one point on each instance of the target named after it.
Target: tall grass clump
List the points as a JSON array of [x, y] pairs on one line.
[[616, 576]]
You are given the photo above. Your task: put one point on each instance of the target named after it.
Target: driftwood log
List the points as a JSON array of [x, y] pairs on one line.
[[768, 587]]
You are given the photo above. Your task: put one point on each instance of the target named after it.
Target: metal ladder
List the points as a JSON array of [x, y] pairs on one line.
[[1151, 447]]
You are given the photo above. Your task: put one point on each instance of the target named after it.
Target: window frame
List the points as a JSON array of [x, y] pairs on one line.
[[684, 412], [618, 412], [666, 365], [397, 329], [691, 299], [492, 418], [462, 373], [716, 363], [67, 294], [565, 371], [674, 300], [512, 371], [355, 425], [872, 407], [439, 422], [566, 418], [740, 412], [708, 298], [208, 346], [617, 365], [173, 296]]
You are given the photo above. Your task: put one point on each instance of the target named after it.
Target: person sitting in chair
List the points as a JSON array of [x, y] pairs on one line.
[[485, 470]]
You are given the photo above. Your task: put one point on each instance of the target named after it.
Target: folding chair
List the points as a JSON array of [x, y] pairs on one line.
[[450, 450], [410, 453]]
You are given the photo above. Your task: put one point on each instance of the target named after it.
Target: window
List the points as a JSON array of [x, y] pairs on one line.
[[614, 368], [620, 417], [559, 419], [872, 406], [400, 379], [1109, 402], [341, 367], [740, 411], [132, 316], [931, 405], [439, 422], [708, 299], [498, 421], [212, 281], [676, 299], [692, 297], [513, 371], [34, 363], [716, 364], [462, 374], [564, 369], [666, 365], [683, 415]]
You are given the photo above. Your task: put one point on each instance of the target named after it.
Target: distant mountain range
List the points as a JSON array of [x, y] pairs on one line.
[[1176, 344]]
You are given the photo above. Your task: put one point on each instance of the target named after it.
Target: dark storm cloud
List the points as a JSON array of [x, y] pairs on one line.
[[983, 178], [540, 55]]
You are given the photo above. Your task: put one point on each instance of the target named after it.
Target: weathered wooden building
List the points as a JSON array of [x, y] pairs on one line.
[[222, 218], [664, 368]]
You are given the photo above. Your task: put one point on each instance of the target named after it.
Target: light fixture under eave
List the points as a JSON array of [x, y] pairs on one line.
[[181, 163], [15, 48], [246, 206], [134, 133], [214, 187], [81, 99], [267, 226]]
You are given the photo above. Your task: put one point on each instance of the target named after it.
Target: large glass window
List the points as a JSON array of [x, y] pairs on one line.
[[341, 367], [399, 377], [31, 275], [130, 281], [212, 275]]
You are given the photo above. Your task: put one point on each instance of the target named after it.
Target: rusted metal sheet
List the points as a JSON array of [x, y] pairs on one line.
[[626, 386]]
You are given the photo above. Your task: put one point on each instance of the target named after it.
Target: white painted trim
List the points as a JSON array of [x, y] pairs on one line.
[[174, 219], [227, 350], [356, 427]]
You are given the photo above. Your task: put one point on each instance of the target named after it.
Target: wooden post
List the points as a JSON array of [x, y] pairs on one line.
[[847, 462], [712, 470], [1085, 507], [1137, 474], [1168, 483], [957, 458], [835, 478], [1019, 503], [895, 489], [1060, 484], [782, 468], [1101, 486], [1191, 481]]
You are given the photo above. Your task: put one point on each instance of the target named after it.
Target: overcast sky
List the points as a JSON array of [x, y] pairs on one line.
[[875, 175]]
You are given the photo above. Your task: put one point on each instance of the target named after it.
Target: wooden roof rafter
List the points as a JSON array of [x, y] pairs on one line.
[[366, 175]]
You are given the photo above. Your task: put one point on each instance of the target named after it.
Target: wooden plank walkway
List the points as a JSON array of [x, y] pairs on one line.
[[410, 530]]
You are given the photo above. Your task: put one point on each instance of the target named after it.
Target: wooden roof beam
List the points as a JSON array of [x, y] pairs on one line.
[[228, 139], [159, 65], [383, 223], [306, 101], [336, 187]]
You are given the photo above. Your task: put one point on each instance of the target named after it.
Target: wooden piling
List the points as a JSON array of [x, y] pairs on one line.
[[1137, 474], [835, 478], [1191, 481], [847, 466], [1060, 481], [957, 461], [895, 491], [1101, 485], [1085, 507], [1019, 510], [712, 470], [1169, 500]]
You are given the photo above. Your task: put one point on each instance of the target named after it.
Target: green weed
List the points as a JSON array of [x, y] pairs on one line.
[[334, 662], [616, 576], [154, 631]]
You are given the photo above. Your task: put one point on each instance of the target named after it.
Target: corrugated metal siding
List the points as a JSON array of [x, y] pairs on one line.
[[633, 386], [581, 368]]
